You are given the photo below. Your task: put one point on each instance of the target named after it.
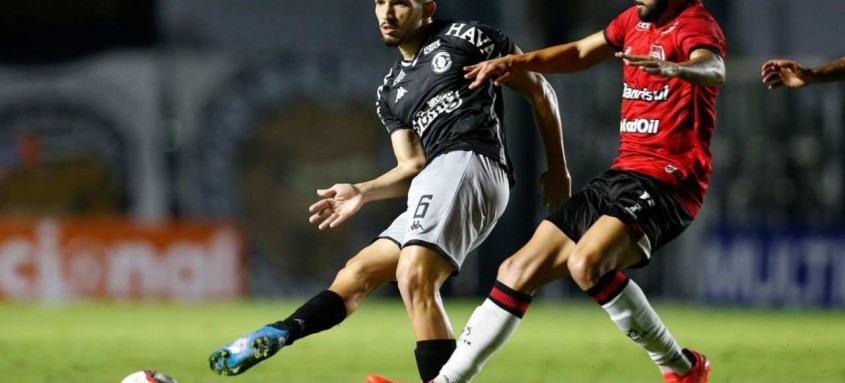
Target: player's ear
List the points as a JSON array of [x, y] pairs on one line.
[[429, 6]]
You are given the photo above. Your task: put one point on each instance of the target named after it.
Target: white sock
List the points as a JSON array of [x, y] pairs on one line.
[[487, 330], [636, 318]]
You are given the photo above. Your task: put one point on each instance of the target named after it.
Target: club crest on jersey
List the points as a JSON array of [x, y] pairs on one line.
[[431, 47], [441, 62], [658, 52], [643, 26]]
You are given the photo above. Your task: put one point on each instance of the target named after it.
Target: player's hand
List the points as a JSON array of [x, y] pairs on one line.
[[339, 202], [556, 187], [788, 73], [501, 67], [652, 65]]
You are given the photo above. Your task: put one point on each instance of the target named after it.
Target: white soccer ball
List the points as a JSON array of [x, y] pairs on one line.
[[148, 376]]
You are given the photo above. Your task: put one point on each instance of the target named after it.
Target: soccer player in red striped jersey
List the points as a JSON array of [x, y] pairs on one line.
[[673, 53]]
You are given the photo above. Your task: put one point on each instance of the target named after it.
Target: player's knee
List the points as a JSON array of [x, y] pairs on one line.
[[411, 280], [417, 282], [585, 267], [517, 271], [359, 273], [511, 268]]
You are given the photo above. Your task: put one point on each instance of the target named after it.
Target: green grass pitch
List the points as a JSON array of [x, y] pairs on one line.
[[557, 342]]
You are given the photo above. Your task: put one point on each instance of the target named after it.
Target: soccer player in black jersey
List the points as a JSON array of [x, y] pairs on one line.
[[453, 167]]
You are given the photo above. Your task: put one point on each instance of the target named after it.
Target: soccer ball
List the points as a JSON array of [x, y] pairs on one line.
[[148, 376]]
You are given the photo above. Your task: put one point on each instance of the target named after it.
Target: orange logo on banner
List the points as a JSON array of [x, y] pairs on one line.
[[67, 259]]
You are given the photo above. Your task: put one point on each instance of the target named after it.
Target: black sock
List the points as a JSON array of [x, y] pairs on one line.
[[322, 312], [432, 355]]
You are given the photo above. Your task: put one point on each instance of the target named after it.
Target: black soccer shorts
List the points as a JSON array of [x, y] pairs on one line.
[[650, 211]]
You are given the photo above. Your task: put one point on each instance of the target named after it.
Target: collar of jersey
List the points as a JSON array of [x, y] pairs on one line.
[[672, 21]]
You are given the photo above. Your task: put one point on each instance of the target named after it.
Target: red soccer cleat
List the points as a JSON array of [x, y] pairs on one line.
[[698, 374], [374, 378]]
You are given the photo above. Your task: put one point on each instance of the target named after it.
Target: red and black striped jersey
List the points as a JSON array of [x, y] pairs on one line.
[[667, 123]]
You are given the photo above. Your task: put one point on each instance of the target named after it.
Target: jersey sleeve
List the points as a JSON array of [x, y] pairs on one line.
[[702, 32], [385, 115], [501, 43], [614, 34]]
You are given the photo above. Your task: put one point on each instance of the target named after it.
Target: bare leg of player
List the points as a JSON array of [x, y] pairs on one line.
[[420, 273], [593, 263], [371, 268], [606, 248], [540, 261]]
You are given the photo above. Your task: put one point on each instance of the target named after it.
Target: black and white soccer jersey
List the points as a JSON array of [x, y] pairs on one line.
[[430, 94]]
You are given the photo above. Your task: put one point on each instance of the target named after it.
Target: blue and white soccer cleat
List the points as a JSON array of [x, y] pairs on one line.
[[245, 352]]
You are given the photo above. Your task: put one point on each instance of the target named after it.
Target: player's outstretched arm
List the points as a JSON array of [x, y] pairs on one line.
[[571, 57], [341, 201], [704, 67], [788, 73], [555, 183]]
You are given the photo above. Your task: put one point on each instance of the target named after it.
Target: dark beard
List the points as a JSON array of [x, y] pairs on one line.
[[650, 15], [391, 42]]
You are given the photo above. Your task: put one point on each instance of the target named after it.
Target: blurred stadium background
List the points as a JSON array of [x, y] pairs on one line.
[[168, 150]]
